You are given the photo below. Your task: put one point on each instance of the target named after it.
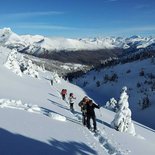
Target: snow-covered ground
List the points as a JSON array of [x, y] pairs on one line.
[[36, 121]]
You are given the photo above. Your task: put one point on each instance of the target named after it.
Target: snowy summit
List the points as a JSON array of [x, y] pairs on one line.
[[37, 44]]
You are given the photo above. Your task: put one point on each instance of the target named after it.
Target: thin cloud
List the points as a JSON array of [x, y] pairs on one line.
[[42, 26], [45, 26], [32, 14], [142, 6], [144, 28], [135, 30], [112, 0]]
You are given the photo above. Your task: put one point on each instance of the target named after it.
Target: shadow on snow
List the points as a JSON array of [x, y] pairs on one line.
[[75, 112], [15, 144], [58, 104], [47, 111]]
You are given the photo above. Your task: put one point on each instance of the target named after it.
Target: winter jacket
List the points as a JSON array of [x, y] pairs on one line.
[[83, 106], [71, 99], [64, 92], [90, 109]]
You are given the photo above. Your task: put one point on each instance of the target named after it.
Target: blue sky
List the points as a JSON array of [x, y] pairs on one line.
[[79, 18]]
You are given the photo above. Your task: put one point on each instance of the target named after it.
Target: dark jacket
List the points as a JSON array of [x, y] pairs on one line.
[[90, 109], [83, 106]]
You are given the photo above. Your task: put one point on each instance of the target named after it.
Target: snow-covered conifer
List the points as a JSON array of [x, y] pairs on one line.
[[12, 63], [55, 77], [31, 70], [112, 104], [122, 121]]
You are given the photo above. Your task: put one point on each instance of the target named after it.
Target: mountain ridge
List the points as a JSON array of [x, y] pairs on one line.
[[8, 37], [87, 51]]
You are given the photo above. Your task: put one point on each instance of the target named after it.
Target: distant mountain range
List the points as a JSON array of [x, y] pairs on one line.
[[58, 48]]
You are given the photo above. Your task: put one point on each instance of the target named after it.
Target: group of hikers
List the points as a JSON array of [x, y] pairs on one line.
[[71, 98], [87, 108]]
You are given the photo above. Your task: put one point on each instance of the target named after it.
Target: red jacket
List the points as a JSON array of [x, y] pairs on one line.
[[64, 92]]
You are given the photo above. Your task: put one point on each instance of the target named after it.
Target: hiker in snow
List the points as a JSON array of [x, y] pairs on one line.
[[71, 101], [64, 93], [91, 114], [83, 105], [51, 82]]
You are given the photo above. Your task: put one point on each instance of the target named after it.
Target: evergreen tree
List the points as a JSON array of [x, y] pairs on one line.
[[12, 63], [31, 70], [122, 121], [98, 83], [112, 104]]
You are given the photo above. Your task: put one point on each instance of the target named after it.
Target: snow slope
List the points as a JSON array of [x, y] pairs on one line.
[[128, 75], [36, 121]]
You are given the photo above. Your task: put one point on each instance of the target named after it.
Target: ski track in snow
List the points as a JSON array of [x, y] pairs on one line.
[[100, 136], [105, 143]]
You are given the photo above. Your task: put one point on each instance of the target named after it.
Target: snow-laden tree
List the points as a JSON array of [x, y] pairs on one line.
[[31, 69], [18, 64], [12, 63], [112, 104], [22, 64], [122, 121], [41, 68], [55, 77]]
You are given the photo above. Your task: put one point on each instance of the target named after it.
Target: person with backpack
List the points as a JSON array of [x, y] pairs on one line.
[[91, 114], [71, 101], [64, 93], [83, 105]]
